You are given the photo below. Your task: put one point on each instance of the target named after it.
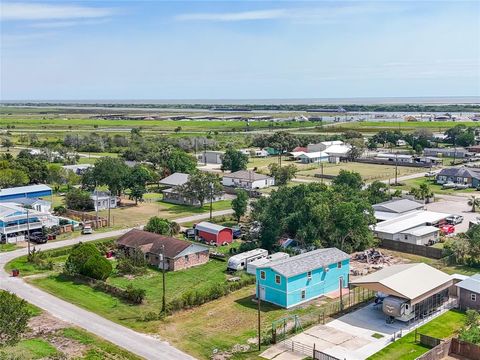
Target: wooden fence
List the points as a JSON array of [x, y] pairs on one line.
[[421, 250], [399, 163], [452, 347], [88, 218]]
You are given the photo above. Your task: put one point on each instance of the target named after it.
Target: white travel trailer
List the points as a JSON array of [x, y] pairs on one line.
[[252, 266], [240, 261], [398, 308]]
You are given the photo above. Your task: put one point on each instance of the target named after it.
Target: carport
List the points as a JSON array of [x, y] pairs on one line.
[[422, 286]]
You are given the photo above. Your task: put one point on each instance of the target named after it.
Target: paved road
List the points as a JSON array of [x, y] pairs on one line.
[[137, 343]]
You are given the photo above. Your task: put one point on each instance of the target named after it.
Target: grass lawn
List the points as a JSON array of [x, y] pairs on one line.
[[8, 247], [449, 269], [406, 348], [32, 349], [369, 172], [137, 215], [437, 189]]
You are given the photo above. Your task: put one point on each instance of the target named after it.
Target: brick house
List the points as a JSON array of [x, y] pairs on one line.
[[468, 292], [179, 254]]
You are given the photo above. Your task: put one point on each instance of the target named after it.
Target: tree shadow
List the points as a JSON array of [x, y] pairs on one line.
[[251, 303]]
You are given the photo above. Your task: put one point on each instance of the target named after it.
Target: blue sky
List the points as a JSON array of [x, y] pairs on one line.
[[238, 49]]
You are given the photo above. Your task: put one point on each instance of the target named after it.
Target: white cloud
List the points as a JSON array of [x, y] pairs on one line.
[[64, 24], [38, 11], [236, 16], [315, 14]]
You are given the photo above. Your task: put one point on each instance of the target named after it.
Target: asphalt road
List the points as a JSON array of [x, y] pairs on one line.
[[135, 342]]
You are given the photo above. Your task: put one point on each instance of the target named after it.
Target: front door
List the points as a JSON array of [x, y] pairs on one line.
[[262, 293]]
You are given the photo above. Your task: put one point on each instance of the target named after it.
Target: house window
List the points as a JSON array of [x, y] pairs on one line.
[[263, 275], [304, 295], [186, 257], [339, 265], [277, 279], [309, 275], [473, 297]]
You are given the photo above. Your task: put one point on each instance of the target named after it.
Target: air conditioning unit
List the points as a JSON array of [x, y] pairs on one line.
[[326, 269]]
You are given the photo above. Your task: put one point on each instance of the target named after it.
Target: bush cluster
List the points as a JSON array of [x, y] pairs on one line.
[[85, 259]]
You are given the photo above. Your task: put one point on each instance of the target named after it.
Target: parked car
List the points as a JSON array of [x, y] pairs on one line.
[[447, 229], [237, 232], [430, 174], [87, 229], [190, 233], [38, 238], [449, 185], [454, 219]]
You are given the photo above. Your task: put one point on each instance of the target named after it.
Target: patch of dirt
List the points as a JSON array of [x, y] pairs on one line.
[[72, 349], [45, 324], [365, 262], [49, 328]]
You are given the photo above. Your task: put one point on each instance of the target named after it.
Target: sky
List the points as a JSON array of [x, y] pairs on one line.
[[79, 50]]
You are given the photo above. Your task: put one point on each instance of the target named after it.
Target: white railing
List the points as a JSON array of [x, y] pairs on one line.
[[22, 227]]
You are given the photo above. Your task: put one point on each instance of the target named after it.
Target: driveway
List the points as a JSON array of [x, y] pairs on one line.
[[456, 205], [137, 343], [349, 337]]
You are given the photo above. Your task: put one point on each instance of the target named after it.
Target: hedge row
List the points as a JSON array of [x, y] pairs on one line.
[[194, 298], [130, 294]]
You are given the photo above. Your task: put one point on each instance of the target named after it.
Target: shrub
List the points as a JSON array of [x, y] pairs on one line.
[[134, 295], [79, 255], [60, 210], [97, 267]]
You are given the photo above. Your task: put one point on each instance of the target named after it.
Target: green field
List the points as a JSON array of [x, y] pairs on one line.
[[159, 125], [137, 215], [376, 126], [369, 172], [406, 348]]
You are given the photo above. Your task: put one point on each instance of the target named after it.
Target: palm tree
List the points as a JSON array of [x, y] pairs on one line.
[[425, 192], [474, 202]]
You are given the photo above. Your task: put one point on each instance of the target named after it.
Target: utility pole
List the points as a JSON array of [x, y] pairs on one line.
[[211, 200], [205, 151], [28, 230], [109, 200], [96, 206], [164, 310], [321, 172], [396, 168], [258, 313]]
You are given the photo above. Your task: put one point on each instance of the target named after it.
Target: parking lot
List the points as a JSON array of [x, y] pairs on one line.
[[455, 205]]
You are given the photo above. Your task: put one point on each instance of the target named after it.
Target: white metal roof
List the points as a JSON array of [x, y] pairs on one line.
[[314, 155], [209, 227], [409, 281], [175, 179], [472, 283], [337, 149], [296, 154], [24, 189], [421, 230], [398, 205], [408, 221]]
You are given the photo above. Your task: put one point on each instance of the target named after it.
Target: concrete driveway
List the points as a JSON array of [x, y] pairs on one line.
[[350, 337], [456, 205]]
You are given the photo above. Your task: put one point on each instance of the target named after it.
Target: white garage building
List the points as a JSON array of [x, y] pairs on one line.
[[415, 227]]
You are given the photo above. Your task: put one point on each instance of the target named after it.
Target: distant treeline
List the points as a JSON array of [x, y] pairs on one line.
[[256, 107]]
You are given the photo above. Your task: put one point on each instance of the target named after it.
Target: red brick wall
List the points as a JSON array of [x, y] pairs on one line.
[[193, 260]]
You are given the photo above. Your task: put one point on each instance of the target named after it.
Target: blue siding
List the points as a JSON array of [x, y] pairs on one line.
[[289, 292], [33, 194]]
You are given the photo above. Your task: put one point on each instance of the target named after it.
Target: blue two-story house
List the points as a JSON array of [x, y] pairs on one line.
[[298, 279]]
